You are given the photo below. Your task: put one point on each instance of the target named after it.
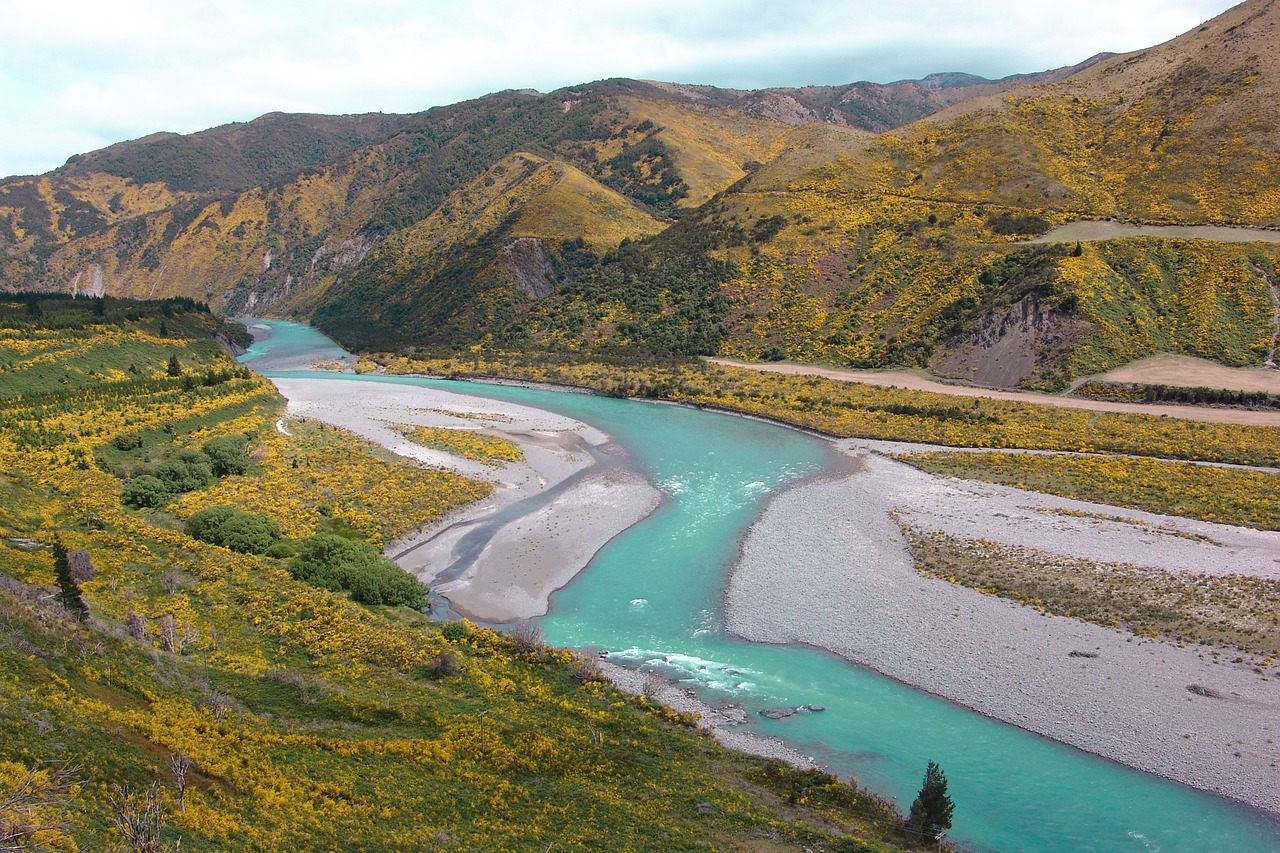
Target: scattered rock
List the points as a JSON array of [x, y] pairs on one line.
[[1080, 654], [778, 713], [1207, 692]]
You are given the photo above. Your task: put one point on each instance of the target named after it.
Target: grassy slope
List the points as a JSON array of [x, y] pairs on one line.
[[313, 722]]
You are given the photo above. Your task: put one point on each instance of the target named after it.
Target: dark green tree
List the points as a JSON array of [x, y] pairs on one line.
[[68, 589], [175, 366], [144, 491], [930, 814], [227, 453]]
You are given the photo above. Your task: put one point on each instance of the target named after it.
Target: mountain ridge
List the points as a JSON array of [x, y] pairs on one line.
[[799, 234]]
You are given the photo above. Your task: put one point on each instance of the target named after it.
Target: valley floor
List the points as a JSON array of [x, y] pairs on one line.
[[551, 512], [828, 565]]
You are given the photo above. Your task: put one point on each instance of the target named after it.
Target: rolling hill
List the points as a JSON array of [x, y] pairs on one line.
[[864, 225]]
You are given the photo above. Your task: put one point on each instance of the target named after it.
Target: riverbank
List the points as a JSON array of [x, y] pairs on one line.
[[725, 721], [852, 589], [579, 496]]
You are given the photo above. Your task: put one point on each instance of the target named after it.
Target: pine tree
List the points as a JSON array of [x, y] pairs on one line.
[[68, 589], [175, 366], [931, 812]]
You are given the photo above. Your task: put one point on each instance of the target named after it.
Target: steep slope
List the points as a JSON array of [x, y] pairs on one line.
[[505, 239], [1182, 132], [236, 156], [874, 107], [269, 215], [525, 220]]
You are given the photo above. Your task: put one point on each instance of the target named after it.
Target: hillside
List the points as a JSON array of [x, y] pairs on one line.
[[864, 225], [217, 696], [906, 248]]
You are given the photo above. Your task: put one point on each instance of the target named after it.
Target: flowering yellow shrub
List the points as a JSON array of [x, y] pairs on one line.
[[466, 443], [311, 722], [1223, 495], [322, 471]]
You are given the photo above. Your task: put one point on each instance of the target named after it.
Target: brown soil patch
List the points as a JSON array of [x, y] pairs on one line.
[[1184, 371]]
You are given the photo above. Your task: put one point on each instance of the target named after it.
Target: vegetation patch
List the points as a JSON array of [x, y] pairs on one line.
[[203, 697], [341, 563], [1235, 614], [469, 444], [1135, 392], [323, 479], [1223, 495]]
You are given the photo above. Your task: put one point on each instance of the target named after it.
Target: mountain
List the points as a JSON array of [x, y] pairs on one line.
[[865, 225], [906, 249]]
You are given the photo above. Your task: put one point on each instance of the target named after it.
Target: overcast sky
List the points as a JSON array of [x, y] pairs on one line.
[[76, 75]]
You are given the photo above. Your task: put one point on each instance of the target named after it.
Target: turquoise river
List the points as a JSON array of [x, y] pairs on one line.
[[653, 595]]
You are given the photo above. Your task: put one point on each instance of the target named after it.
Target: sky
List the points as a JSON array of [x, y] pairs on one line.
[[77, 75]]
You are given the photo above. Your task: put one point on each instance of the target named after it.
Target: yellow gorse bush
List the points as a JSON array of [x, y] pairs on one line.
[[467, 443], [1223, 495]]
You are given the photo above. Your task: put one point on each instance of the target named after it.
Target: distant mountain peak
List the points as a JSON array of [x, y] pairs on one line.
[[949, 80]]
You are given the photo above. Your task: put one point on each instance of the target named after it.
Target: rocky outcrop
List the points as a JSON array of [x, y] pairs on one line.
[[526, 262], [1007, 346]]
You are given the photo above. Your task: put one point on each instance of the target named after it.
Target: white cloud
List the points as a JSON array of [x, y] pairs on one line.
[[78, 75]]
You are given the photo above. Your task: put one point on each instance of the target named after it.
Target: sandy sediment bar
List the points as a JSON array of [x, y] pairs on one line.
[[532, 556], [529, 557], [851, 587]]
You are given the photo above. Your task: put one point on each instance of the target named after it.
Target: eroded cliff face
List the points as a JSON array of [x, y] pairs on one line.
[[1007, 347], [528, 266]]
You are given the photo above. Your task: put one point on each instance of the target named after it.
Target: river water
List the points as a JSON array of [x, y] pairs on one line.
[[652, 597]]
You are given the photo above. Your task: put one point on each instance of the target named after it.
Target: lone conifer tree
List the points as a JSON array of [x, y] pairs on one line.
[[68, 587], [931, 812]]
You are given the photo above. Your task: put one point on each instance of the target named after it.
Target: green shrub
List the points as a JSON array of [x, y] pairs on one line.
[[246, 532], [337, 563], [249, 533], [145, 491], [127, 441], [227, 455], [1025, 225], [204, 524], [187, 470]]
